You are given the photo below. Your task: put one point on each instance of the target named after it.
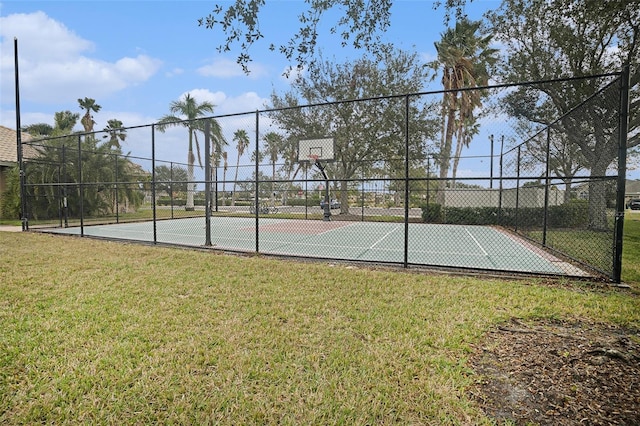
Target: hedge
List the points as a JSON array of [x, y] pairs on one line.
[[574, 214]]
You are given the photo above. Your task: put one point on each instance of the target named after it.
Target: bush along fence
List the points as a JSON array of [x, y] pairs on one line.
[[558, 187]]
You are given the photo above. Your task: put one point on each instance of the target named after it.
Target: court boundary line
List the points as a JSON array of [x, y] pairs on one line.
[[476, 241]]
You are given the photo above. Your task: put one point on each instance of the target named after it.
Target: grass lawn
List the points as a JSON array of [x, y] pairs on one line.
[[631, 249], [99, 332]]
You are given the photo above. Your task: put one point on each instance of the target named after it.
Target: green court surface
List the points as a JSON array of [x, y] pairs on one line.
[[455, 246]]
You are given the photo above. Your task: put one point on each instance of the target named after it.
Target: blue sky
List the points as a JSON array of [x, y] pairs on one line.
[[135, 57]]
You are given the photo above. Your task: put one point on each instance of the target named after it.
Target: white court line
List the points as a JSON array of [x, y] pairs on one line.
[[383, 238], [484, 252]]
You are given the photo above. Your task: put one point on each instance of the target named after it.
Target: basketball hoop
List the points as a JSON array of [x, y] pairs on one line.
[[313, 159]]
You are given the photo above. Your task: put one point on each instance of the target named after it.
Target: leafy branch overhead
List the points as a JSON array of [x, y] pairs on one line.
[[361, 25]]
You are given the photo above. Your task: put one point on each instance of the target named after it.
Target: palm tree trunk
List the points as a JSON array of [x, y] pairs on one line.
[[445, 152], [456, 158], [235, 180], [224, 187], [190, 177]]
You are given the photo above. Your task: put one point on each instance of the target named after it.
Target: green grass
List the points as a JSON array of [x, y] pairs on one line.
[[99, 332], [631, 249], [10, 222]]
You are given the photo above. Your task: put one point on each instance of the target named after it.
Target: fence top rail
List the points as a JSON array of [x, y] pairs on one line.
[[373, 98]]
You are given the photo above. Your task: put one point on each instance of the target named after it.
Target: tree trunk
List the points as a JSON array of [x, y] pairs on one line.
[[224, 187], [235, 181], [567, 191], [598, 199], [344, 197], [456, 158], [190, 184], [445, 152]]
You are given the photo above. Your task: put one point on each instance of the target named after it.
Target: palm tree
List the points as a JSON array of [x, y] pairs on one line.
[[64, 122], [242, 142], [185, 113], [116, 133], [225, 167], [274, 142], [88, 105], [38, 129], [464, 58], [290, 149]]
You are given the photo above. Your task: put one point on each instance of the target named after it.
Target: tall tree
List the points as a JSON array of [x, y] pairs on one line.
[[38, 129], [56, 168], [242, 143], [225, 167], [186, 113], [464, 58], [365, 133], [272, 150], [64, 122], [115, 132], [88, 105], [171, 179], [540, 38]]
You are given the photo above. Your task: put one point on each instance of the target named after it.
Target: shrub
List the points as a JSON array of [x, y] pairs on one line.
[[432, 213], [167, 201], [574, 214], [471, 215], [10, 198]]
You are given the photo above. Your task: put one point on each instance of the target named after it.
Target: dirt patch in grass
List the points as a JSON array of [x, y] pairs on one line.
[[559, 373]]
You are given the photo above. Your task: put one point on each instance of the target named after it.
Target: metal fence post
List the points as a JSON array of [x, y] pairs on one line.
[[623, 128], [517, 206], [207, 183], [256, 197], [545, 217], [21, 166], [65, 207], [406, 182], [80, 186], [491, 164], [500, 181], [59, 188], [116, 189], [171, 187], [153, 183]]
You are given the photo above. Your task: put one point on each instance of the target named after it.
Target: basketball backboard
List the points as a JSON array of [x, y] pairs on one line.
[[316, 150]]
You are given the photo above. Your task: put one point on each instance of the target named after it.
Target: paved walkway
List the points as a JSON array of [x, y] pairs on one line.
[[7, 228]]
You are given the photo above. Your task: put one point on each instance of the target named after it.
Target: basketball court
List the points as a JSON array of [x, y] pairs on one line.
[[454, 246]]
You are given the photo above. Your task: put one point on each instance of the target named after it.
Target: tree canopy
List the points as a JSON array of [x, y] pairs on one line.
[[361, 26], [367, 134], [540, 40]]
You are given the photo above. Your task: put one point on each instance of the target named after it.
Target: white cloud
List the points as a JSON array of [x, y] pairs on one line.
[[248, 101], [8, 118], [54, 66], [226, 68], [41, 37], [289, 74], [205, 95], [174, 72]]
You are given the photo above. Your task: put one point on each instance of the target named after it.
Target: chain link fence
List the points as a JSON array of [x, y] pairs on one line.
[[537, 164]]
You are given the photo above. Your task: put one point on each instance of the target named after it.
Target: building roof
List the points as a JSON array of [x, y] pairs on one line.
[[8, 149]]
